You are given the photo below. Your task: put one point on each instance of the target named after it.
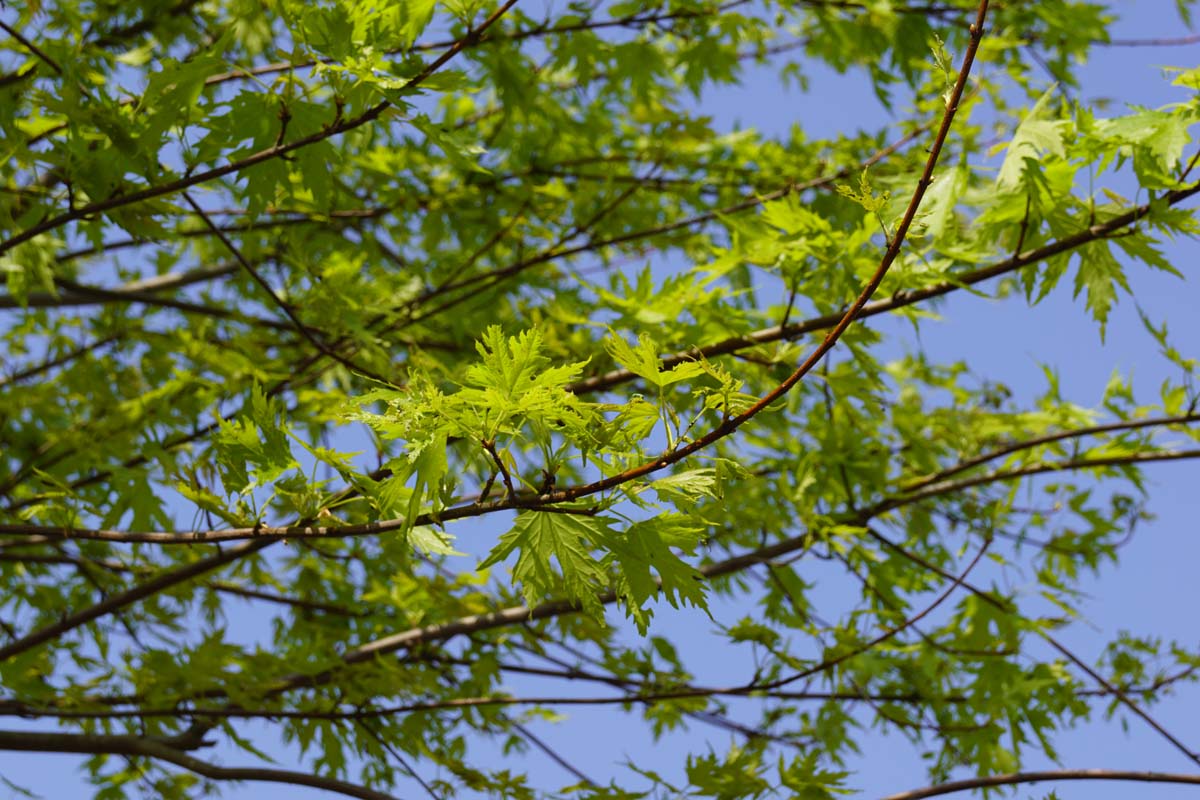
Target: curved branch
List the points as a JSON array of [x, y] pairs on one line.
[[30, 46], [118, 601], [51, 532], [1017, 778], [829, 663], [1015, 447], [91, 744], [78, 294], [948, 487]]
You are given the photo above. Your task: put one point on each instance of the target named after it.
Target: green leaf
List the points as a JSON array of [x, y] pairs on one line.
[[427, 468], [942, 61], [806, 780], [865, 195], [689, 485], [414, 18], [644, 362], [1035, 136], [255, 442], [1157, 138], [458, 146], [329, 30], [432, 542], [1100, 274], [30, 266], [942, 198], [648, 545], [544, 538]]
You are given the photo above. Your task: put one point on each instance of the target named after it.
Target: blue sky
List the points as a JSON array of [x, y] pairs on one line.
[[1154, 590]]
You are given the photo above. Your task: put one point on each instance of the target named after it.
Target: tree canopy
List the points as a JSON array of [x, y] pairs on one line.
[[295, 290]]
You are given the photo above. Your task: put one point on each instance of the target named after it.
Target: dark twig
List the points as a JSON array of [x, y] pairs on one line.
[[287, 309], [31, 47], [115, 744]]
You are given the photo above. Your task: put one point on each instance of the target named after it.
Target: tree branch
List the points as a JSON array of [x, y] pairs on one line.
[[115, 744], [128, 597], [1017, 778], [1027, 444]]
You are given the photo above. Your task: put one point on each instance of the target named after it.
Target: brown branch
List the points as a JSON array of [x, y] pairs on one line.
[[869, 588], [31, 47], [248, 593], [950, 487], [401, 760], [553, 754], [1017, 778], [160, 750], [52, 363], [128, 597], [1051, 438], [130, 292], [1165, 41], [78, 294]]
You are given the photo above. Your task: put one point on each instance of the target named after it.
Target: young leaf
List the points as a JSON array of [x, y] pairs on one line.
[[1034, 136], [543, 538]]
